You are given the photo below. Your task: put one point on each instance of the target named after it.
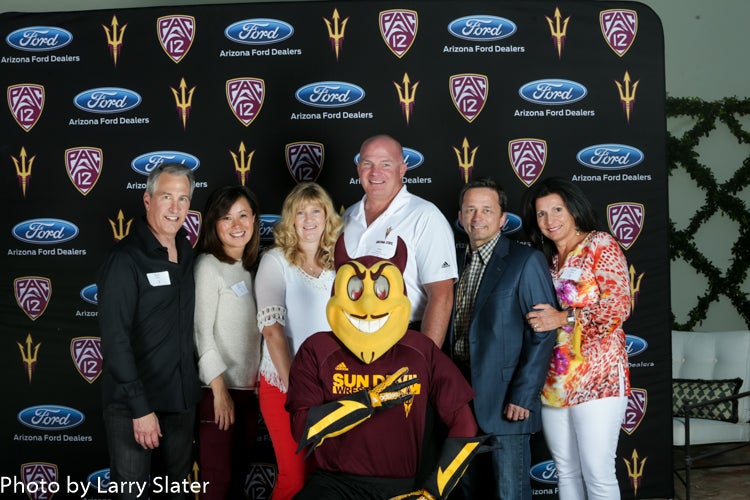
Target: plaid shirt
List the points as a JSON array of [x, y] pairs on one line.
[[466, 293]]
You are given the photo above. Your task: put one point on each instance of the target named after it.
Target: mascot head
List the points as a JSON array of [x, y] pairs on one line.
[[369, 310]]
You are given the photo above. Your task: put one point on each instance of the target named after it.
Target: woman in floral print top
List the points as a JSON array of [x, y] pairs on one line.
[[585, 394]]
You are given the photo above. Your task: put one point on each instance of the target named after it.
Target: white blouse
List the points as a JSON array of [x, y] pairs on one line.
[[297, 301]]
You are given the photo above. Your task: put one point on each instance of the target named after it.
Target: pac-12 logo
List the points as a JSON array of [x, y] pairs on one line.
[[398, 27], [32, 295], [39, 38], [527, 157], [259, 31], [552, 92], [84, 164], [86, 353], [626, 221], [469, 93], [636, 409], [480, 28], [107, 100], [176, 35], [192, 225], [50, 417], [304, 160], [330, 94], [245, 97], [619, 27], [26, 102], [40, 480]]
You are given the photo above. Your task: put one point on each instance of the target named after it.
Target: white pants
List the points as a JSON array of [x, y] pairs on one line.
[[583, 442]]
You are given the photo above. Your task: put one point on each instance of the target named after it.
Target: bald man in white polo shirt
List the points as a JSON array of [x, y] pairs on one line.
[[388, 211]]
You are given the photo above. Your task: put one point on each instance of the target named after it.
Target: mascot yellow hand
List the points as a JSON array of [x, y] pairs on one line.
[[337, 417]]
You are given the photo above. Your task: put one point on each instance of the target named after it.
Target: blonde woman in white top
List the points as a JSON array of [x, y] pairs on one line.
[[227, 340], [293, 286]]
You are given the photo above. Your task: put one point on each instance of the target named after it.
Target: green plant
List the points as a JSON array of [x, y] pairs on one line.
[[720, 197]]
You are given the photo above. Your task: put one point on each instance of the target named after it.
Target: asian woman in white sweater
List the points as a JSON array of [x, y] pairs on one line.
[[227, 339]]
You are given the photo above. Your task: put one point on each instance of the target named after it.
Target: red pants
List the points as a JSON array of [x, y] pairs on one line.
[[293, 469], [224, 456]]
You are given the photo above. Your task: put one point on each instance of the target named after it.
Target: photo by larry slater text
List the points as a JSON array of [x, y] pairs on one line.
[[141, 489]]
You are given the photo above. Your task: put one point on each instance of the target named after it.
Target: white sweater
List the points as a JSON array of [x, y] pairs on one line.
[[226, 332]]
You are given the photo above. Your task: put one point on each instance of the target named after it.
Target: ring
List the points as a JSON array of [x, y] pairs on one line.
[[536, 325]]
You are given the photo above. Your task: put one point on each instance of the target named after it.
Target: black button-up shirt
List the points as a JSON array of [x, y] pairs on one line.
[[146, 305]]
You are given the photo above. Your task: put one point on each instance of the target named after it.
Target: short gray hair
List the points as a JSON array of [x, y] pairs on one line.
[[169, 168]]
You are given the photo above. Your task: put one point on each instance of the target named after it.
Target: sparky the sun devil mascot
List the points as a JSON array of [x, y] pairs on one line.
[[358, 395]]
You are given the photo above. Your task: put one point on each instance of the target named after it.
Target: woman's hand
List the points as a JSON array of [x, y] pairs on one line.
[[544, 317], [223, 404]]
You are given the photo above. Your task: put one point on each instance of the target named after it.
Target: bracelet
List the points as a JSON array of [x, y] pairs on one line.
[[571, 316]]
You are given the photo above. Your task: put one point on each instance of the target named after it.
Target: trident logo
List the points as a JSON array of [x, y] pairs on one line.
[[23, 169], [114, 38], [627, 94], [465, 159], [635, 286], [183, 100], [635, 470], [121, 228], [29, 355], [557, 31], [336, 32], [406, 96], [242, 163]]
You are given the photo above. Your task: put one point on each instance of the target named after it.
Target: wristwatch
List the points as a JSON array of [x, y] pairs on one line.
[[571, 316]]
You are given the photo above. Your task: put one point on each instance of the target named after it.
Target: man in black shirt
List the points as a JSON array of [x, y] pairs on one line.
[[146, 299]]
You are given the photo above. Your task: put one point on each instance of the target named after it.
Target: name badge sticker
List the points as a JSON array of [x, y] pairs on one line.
[[571, 273], [159, 279], [240, 289]]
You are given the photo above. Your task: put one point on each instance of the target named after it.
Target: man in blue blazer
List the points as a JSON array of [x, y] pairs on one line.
[[503, 358]]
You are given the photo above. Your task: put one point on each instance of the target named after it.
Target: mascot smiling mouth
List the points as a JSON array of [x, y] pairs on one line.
[[368, 310]]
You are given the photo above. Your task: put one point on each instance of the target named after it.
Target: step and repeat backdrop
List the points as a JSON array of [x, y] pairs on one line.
[[271, 94]]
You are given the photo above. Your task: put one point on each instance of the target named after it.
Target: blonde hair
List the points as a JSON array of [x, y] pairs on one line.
[[285, 235]]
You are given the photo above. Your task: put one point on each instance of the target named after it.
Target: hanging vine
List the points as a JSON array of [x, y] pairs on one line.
[[720, 197]]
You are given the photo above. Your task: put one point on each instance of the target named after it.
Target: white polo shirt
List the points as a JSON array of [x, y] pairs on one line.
[[424, 229]]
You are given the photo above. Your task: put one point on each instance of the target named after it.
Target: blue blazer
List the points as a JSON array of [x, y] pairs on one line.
[[509, 362]]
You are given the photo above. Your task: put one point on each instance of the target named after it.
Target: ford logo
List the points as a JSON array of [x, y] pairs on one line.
[[412, 158], [107, 100], [259, 31], [481, 28], [553, 92], [99, 478], [146, 162], [39, 38], [544, 472], [267, 221], [329, 94], [50, 417], [89, 294], [512, 224], [635, 345], [45, 231], [610, 156]]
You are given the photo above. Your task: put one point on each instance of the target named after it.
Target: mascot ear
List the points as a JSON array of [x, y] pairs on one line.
[[340, 256], [399, 258]]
